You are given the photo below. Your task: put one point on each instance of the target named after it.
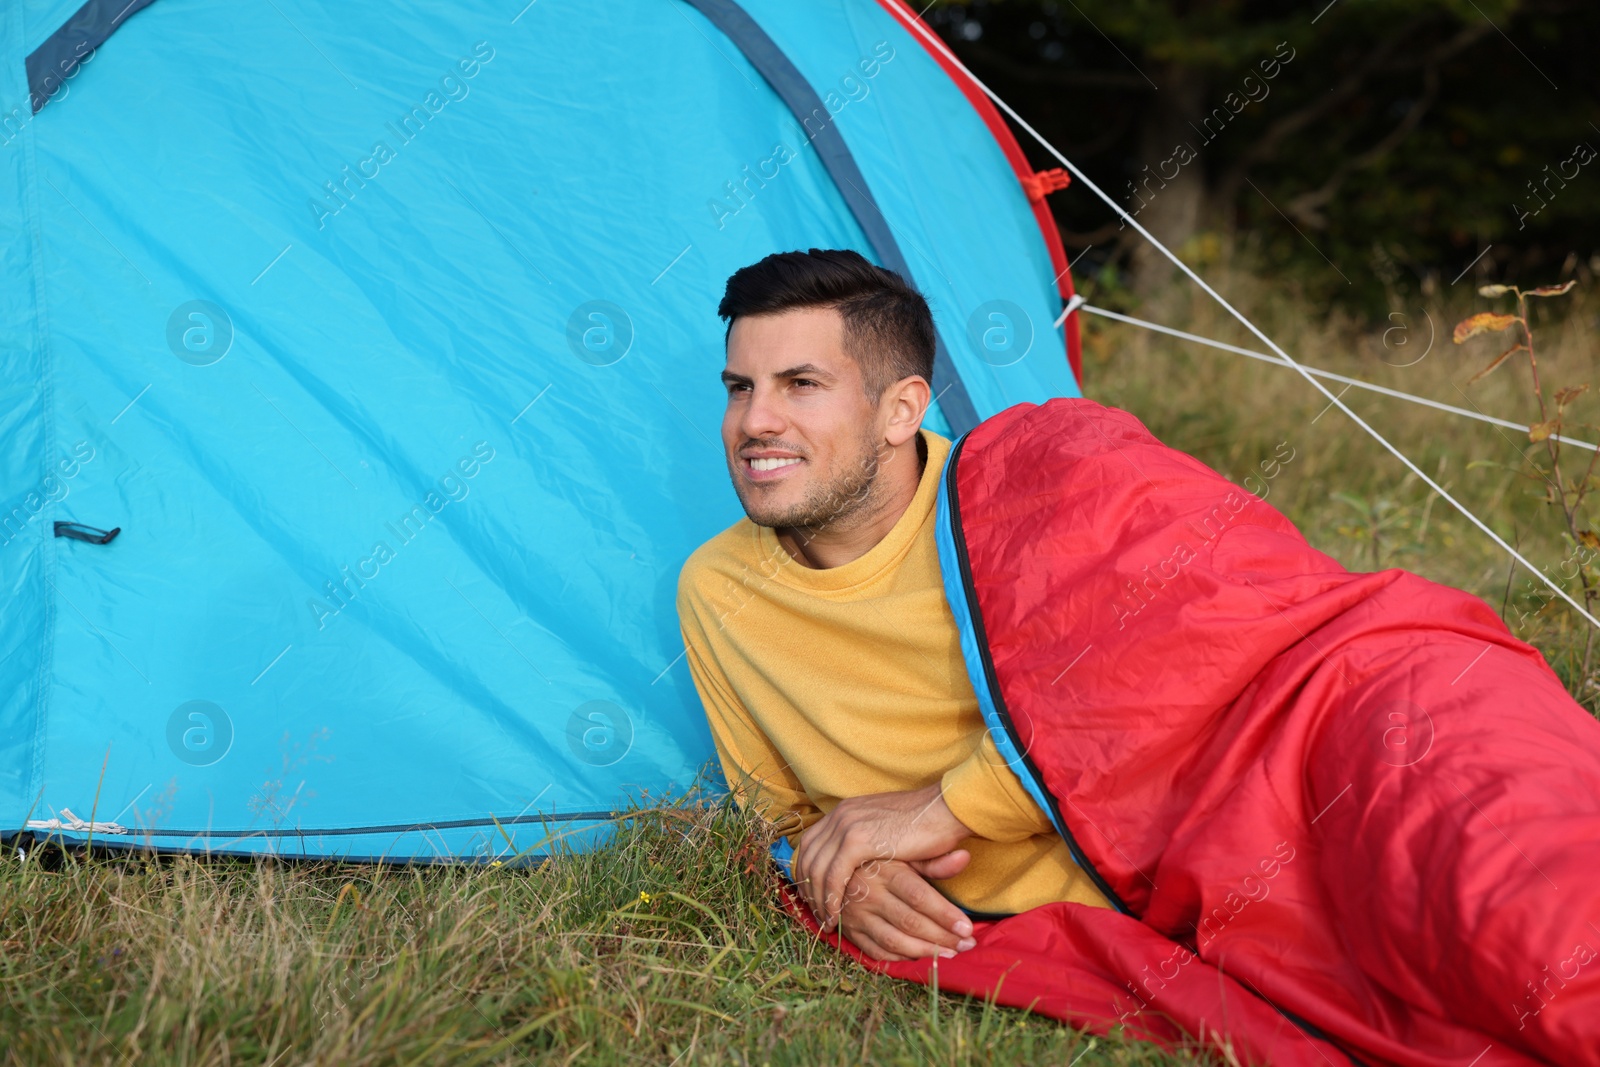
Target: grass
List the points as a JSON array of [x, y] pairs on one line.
[[667, 946], [1350, 497]]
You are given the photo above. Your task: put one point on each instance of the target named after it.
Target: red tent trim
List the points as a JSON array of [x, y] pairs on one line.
[[1019, 163]]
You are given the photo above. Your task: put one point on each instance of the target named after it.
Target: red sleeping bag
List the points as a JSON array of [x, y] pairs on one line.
[[1343, 816]]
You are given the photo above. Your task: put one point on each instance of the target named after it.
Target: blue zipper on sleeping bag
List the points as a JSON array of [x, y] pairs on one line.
[[957, 571]]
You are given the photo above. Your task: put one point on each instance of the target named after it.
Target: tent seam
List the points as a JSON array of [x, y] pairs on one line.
[[29, 195], [930, 233], [795, 90]]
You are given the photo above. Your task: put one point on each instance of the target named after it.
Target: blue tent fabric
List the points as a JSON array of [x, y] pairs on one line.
[[814, 119], [388, 341]]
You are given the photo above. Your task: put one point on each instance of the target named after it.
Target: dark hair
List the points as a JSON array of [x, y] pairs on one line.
[[888, 329]]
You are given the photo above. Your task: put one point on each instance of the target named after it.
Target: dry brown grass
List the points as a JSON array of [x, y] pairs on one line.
[[1351, 498]]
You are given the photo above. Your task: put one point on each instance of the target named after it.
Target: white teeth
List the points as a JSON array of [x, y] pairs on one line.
[[772, 464]]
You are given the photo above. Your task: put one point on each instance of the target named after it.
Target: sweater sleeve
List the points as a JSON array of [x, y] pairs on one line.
[[985, 794], [757, 774]]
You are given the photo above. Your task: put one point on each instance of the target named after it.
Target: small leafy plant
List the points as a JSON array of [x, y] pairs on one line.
[[1566, 494], [1388, 527]]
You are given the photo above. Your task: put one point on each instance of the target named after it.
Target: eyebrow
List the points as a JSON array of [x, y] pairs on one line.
[[804, 370]]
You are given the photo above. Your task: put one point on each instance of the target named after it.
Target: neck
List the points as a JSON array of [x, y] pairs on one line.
[[838, 543]]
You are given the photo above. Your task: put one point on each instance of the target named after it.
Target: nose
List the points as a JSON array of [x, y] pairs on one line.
[[763, 415]]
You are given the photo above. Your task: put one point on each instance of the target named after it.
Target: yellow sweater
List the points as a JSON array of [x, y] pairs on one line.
[[821, 684]]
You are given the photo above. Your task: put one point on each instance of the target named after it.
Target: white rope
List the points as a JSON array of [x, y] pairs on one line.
[[69, 821], [932, 40], [1357, 382], [1072, 305]]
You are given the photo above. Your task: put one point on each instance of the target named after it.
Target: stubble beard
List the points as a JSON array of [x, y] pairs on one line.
[[826, 507]]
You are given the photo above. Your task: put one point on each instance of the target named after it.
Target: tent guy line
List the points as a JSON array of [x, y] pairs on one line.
[[934, 43], [1328, 374]]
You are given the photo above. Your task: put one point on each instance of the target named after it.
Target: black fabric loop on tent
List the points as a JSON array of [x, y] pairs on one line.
[[803, 101], [53, 62], [77, 531]]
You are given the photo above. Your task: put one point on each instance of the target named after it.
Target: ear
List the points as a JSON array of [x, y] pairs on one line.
[[902, 405]]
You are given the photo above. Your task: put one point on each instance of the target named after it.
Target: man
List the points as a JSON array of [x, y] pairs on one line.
[[1314, 812], [817, 629]]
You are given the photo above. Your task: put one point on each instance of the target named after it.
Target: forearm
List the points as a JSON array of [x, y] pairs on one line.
[[986, 795]]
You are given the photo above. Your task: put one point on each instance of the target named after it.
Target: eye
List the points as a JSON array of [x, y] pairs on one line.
[[803, 381], [736, 387]]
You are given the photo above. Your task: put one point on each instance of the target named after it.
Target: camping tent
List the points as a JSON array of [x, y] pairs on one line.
[[386, 343]]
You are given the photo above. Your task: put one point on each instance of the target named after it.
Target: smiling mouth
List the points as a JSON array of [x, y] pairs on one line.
[[775, 463], [760, 470]]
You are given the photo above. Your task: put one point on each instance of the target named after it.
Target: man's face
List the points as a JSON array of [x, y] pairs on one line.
[[801, 437]]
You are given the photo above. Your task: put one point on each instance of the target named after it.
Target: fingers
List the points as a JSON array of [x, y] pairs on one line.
[[930, 906], [856, 832], [946, 866], [817, 881], [891, 913], [824, 866], [809, 882], [815, 853], [917, 925], [883, 940], [872, 950], [831, 868], [834, 869], [833, 900], [801, 866]]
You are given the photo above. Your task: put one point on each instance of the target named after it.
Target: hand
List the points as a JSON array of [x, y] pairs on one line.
[[891, 912], [915, 825]]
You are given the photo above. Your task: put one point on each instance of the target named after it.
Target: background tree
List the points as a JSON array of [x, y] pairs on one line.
[[1382, 138]]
